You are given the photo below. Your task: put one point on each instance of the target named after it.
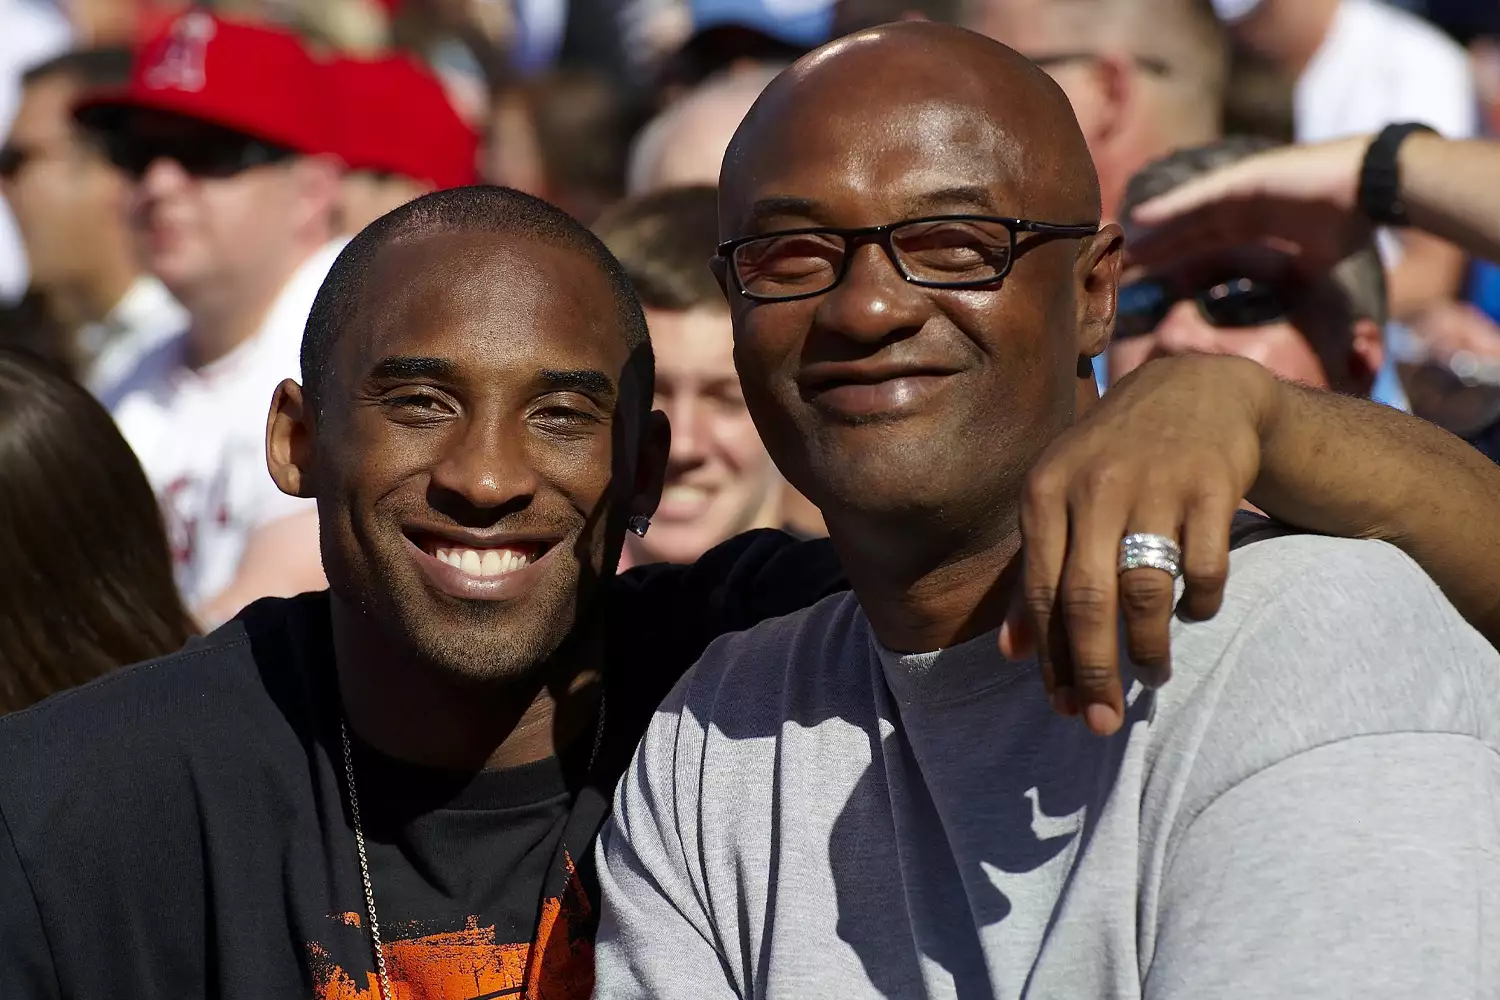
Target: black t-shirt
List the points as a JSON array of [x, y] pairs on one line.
[[181, 828]]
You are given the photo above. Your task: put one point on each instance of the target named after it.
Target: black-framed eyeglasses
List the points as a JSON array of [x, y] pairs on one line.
[[201, 152], [937, 251], [1236, 303]]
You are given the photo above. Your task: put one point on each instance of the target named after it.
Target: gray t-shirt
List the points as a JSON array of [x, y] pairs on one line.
[[1311, 808]]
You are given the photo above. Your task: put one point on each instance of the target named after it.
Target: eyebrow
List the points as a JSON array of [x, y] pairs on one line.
[[406, 366], [970, 197], [588, 381], [780, 205]]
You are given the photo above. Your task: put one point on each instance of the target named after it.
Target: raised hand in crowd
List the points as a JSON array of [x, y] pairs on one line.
[[1309, 196], [1172, 449]]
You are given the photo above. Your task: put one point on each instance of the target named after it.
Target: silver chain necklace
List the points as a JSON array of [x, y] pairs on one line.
[[364, 861]]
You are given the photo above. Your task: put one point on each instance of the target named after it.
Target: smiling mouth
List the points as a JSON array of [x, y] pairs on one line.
[[479, 561]]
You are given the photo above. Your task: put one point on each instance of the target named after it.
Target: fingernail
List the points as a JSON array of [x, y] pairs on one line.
[[1102, 719], [1063, 702]]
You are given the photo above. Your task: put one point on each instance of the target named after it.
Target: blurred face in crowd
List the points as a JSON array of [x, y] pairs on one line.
[[685, 144], [61, 188], [477, 450], [1250, 302], [720, 478], [881, 399], [214, 209], [367, 195], [1135, 102]]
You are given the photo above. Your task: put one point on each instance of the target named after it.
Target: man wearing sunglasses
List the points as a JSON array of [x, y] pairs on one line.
[[1320, 327], [69, 205], [225, 134]]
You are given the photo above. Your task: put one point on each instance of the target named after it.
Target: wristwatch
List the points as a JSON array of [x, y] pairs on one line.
[[1380, 177]]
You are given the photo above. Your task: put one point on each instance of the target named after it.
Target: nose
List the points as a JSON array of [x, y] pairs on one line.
[[873, 302], [1184, 331], [483, 474], [685, 412], [162, 175]]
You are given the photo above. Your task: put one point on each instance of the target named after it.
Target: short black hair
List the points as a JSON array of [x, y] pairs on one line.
[[102, 67], [477, 208], [664, 240]]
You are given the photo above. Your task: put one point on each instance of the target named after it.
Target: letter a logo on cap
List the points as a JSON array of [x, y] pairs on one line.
[[181, 66]]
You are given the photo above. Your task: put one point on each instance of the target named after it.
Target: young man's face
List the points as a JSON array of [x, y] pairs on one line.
[[477, 447], [720, 479]]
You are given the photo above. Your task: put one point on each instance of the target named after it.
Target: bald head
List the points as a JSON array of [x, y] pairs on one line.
[[937, 88], [684, 145]]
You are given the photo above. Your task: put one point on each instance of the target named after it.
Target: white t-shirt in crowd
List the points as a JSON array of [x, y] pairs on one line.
[[200, 435], [144, 319], [1380, 65]]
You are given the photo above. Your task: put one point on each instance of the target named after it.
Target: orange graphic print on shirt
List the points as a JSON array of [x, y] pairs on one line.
[[469, 964]]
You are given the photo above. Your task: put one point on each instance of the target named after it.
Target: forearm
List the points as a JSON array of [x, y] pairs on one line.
[[1344, 466], [1450, 191]]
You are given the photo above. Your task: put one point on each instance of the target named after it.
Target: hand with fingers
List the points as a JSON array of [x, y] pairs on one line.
[[1302, 198], [1143, 488]]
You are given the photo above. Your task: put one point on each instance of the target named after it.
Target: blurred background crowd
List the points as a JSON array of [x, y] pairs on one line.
[[178, 179]]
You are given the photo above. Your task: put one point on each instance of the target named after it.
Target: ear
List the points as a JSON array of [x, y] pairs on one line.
[[1097, 278], [651, 464], [319, 184], [290, 432], [1366, 355]]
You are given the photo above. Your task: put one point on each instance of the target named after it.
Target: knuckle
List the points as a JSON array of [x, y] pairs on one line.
[[1039, 599], [1145, 595], [1093, 675], [1151, 652], [1086, 603]]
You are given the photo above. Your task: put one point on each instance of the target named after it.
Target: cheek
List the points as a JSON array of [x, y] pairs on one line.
[[739, 444], [1284, 350], [1128, 355]]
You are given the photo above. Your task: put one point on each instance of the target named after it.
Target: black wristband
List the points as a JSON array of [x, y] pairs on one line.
[[1380, 178]]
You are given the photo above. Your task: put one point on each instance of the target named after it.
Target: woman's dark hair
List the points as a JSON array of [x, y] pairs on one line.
[[85, 573]]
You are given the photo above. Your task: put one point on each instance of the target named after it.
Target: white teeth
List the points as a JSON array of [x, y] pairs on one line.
[[483, 562]]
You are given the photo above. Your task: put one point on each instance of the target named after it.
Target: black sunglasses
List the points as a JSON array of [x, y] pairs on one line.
[[936, 251], [203, 152], [1238, 302]]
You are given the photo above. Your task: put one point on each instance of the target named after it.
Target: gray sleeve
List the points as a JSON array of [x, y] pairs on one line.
[[655, 937], [1366, 868]]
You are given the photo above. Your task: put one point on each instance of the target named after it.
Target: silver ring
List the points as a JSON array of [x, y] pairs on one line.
[[1147, 551]]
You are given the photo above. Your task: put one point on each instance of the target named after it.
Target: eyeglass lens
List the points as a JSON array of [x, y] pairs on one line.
[[934, 251]]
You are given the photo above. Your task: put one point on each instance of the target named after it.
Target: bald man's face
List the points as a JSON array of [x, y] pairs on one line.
[[879, 395]]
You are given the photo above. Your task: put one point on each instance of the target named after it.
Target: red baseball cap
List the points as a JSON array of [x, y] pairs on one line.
[[255, 80], [393, 115]]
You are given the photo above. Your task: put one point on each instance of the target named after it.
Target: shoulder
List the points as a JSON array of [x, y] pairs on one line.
[[1321, 640], [149, 722], [753, 681]]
